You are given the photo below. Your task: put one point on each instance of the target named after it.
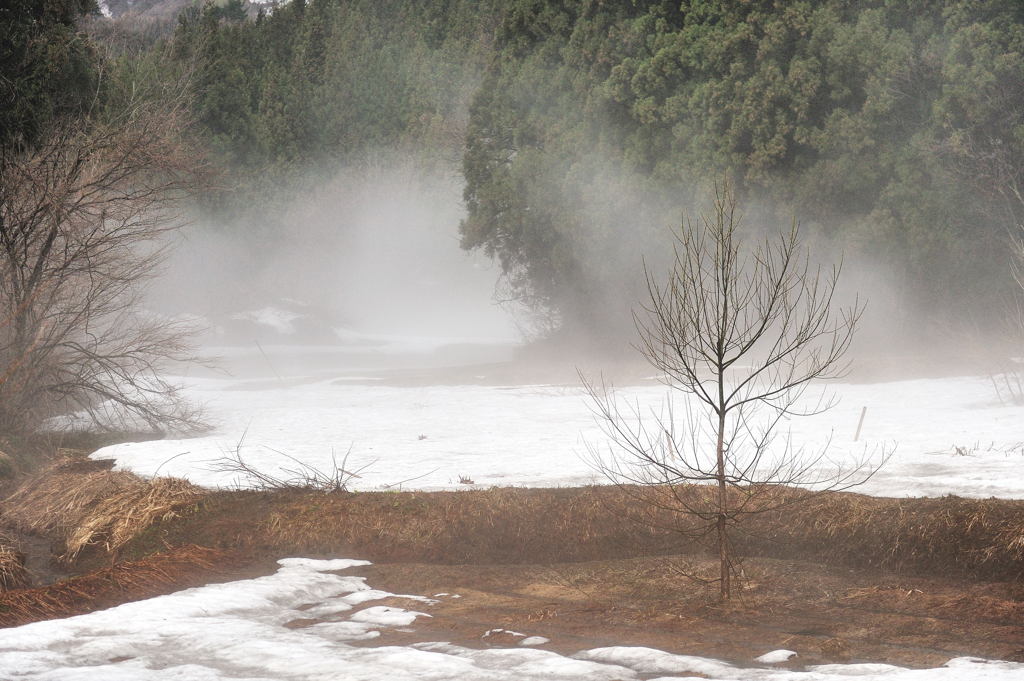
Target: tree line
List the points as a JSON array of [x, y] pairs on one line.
[[894, 130], [280, 96]]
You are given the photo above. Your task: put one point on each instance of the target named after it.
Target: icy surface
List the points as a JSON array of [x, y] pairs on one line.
[[238, 631], [776, 656], [951, 435], [534, 641]]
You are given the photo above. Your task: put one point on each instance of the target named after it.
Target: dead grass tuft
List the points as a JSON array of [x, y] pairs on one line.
[[152, 576], [974, 537], [13, 573], [107, 508]]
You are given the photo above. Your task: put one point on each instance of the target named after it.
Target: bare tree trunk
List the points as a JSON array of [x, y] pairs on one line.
[[723, 501], [741, 333], [722, 536]]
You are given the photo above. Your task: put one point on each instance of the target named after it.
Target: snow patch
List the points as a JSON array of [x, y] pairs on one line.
[[276, 318], [534, 641], [776, 657]]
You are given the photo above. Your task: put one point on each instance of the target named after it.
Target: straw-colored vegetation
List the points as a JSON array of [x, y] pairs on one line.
[[980, 539], [112, 511], [13, 574], [130, 580], [106, 508]]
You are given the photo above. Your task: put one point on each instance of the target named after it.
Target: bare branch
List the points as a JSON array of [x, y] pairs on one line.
[[742, 336], [83, 217]]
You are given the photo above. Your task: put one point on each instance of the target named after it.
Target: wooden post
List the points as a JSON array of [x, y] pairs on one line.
[[860, 423]]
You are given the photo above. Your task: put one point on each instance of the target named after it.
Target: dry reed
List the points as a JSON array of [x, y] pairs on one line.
[[13, 573], [970, 537], [108, 508]]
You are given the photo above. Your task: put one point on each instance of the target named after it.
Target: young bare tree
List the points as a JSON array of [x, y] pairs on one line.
[[742, 335], [83, 215]]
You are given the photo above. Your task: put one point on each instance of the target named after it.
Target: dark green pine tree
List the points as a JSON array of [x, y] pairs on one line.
[[47, 66]]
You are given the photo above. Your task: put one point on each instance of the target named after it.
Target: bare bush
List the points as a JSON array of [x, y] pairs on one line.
[[295, 475], [83, 216], [742, 336]]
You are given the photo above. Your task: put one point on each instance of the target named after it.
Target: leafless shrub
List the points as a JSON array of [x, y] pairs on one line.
[[742, 337], [297, 475], [83, 220]]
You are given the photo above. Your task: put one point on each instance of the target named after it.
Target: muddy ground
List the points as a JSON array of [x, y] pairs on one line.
[[826, 615], [524, 560]]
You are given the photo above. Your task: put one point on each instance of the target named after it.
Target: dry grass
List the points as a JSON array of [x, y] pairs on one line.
[[974, 538], [13, 574], [501, 525], [104, 508], [153, 576], [981, 539]]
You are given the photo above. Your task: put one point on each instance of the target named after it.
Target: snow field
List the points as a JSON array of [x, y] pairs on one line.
[[948, 436]]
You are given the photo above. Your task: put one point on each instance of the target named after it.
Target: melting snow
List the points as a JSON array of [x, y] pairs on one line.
[[276, 318], [534, 641], [239, 631], [776, 657]]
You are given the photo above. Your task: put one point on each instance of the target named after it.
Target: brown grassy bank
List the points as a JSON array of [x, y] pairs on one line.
[[979, 539], [155, 575], [911, 581], [79, 505], [93, 516]]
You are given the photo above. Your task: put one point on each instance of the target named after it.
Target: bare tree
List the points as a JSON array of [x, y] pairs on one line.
[[83, 216], [742, 335]]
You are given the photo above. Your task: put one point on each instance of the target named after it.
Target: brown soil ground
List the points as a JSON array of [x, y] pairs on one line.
[[826, 615], [908, 582]]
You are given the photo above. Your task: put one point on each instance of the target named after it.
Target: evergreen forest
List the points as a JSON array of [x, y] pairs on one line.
[[581, 131]]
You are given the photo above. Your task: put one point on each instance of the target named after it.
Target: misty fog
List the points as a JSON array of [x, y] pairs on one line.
[[367, 250], [373, 250]]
